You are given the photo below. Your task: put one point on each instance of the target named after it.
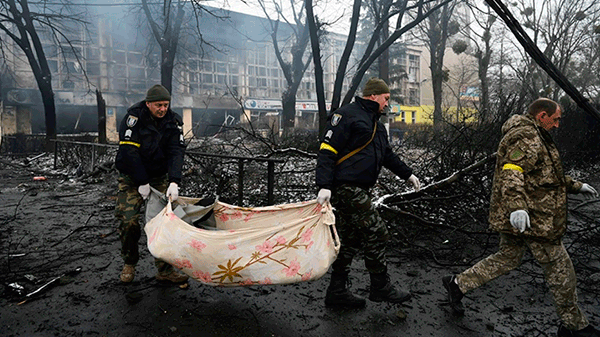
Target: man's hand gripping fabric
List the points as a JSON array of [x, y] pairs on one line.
[[144, 191], [173, 192], [323, 196]]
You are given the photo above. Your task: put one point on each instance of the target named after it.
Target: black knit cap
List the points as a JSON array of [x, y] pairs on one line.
[[157, 93], [375, 86]]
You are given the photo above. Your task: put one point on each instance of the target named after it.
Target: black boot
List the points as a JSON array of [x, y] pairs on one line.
[[454, 294], [589, 331], [339, 295], [383, 290]]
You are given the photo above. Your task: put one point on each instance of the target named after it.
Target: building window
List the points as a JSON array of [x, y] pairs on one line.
[[414, 117], [119, 56], [93, 69], [403, 116], [413, 97]]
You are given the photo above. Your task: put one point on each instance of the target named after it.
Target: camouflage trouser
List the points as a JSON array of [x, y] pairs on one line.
[[128, 212], [554, 259], [360, 228]]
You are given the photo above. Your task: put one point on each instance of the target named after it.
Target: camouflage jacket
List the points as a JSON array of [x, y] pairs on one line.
[[529, 176]]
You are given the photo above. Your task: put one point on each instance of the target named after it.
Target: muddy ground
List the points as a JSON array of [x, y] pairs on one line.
[[52, 227]]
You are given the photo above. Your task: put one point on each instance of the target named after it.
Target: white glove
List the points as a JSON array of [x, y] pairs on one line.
[[173, 191], [520, 220], [144, 191], [588, 191], [415, 182], [323, 196]]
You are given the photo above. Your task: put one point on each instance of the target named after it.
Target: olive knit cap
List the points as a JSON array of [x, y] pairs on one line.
[[375, 86], [157, 93]]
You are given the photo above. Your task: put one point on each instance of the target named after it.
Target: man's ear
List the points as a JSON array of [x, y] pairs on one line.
[[147, 105], [541, 114]]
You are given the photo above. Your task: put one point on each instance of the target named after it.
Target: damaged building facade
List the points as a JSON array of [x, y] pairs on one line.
[[232, 80]]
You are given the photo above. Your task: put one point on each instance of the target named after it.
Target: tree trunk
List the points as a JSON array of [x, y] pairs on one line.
[[49, 113], [384, 58], [101, 117], [166, 69], [288, 100], [316, 52]]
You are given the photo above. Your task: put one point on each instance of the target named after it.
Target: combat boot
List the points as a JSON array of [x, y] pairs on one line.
[[338, 294], [172, 276], [128, 273], [454, 294], [589, 331], [383, 290]]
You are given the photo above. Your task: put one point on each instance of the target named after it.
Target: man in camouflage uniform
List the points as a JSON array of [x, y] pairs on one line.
[[353, 151], [529, 209], [151, 149]]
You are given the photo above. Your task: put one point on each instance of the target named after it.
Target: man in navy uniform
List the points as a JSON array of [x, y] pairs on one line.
[[151, 149]]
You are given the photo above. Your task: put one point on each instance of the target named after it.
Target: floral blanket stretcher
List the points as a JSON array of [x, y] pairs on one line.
[[250, 246]]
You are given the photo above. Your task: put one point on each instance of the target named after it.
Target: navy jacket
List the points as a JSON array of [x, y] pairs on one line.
[[148, 147], [349, 128]]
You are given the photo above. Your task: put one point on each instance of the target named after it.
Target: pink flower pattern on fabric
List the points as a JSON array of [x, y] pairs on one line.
[[306, 276], [223, 217], [151, 239], [292, 269], [307, 235], [266, 247], [202, 276], [182, 263], [277, 247], [198, 245], [309, 245]]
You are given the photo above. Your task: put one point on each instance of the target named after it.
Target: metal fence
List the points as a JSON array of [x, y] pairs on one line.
[[86, 156]]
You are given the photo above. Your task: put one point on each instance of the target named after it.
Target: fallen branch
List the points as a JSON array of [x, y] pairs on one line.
[[76, 229], [429, 223], [391, 198], [49, 284]]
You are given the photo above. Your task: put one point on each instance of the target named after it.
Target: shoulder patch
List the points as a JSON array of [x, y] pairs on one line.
[[335, 119], [516, 155], [131, 120]]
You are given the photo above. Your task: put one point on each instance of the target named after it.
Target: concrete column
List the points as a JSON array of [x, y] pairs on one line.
[[187, 123], [24, 120], [15, 119], [112, 136], [9, 120]]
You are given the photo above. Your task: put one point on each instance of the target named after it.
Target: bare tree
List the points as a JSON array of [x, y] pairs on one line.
[[171, 28], [564, 32], [22, 23], [296, 43], [479, 33], [397, 11], [435, 33]]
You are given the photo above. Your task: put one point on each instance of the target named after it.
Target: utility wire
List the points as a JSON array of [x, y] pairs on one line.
[[541, 59]]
